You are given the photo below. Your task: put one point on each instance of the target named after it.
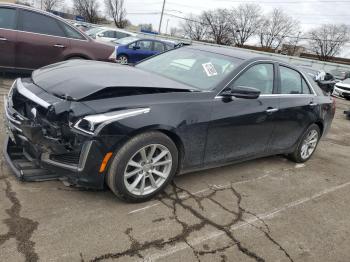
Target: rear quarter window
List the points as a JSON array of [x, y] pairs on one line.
[[70, 32]]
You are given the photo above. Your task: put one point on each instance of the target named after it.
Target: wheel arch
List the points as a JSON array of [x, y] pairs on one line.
[[77, 55], [166, 130], [320, 124]]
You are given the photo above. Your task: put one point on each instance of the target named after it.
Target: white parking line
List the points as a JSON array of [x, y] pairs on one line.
[[247, 222], [143, 208]]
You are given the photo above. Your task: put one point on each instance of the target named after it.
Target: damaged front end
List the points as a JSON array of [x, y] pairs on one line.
[[42, 144]]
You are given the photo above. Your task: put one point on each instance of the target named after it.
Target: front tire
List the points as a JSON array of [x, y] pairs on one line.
[[143, 167], [307, 144]]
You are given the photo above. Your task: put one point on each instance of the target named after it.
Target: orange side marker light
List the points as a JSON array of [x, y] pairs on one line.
[[105, 161]]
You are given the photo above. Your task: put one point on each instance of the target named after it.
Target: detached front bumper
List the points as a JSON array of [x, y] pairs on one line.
[[29, 163]]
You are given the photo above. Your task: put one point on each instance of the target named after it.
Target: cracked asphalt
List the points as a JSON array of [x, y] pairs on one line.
[[263, 210]]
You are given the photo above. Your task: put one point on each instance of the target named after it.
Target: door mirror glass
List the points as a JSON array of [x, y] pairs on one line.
[[135, 47], [241, 92]]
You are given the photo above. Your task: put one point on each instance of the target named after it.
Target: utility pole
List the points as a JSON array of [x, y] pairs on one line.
[[161, 17], [166, 28], [296, 42]]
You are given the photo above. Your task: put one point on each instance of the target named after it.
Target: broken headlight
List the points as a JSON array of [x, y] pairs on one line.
[[93, 124]]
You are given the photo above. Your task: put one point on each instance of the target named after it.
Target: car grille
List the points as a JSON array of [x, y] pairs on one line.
[[71, 158]]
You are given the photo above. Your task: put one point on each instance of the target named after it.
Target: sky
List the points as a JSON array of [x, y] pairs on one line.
[[310, 13]]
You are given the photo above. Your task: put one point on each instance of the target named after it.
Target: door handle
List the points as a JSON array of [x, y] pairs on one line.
[[3, 39], [271, 110], [59, 46], [313, 104]]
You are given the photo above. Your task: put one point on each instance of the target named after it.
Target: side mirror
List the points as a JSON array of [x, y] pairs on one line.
[[135, 47], [99, 35], [241, 92]]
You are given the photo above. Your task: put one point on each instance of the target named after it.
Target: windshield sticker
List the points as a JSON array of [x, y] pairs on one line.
[[209, 69]]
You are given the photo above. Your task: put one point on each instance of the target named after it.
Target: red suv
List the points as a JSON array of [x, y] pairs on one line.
[[30, 38]]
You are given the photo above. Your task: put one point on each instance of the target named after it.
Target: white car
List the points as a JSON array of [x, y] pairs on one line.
[[343, 89], [107, 34]]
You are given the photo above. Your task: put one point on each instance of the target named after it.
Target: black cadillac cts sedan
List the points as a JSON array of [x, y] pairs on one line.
[[133, 128]]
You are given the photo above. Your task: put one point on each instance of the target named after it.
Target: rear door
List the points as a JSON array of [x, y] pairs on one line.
[[242, 128], [158, 47], [41, 40], [298, 108], [8, 36]]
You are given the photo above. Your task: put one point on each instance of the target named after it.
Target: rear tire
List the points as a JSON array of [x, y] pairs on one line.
[[123, 59], [307, 145], [143, 167]]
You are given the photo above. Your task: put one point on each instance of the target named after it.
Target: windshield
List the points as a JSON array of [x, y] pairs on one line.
[[200, 69], [93, 31], [126, 40]]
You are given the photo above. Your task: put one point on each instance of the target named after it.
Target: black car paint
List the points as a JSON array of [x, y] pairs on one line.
[[207, 129]]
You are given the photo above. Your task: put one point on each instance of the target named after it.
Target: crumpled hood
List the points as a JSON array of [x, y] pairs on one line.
[[77, 79]]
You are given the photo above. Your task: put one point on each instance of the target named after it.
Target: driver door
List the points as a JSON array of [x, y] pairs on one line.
[[242, 128]]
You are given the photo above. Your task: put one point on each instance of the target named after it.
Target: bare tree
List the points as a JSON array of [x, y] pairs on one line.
[[218, 25], [276, 27], [116, 10], [327, 40], [174, 31], [194, 27], [88, 9], [245, 20], [51, 4]]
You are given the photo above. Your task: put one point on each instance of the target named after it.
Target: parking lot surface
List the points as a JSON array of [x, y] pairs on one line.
[[269, 209]]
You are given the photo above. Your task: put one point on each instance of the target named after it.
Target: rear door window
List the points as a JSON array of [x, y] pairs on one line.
[[109, 34], [7, 18], [120, 35], [71, 33], [292, 82], [158, 47], [39, 23], [145, 45]]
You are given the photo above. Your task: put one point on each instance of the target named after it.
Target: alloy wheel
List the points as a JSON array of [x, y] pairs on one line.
[[147, 169], [309, 144], [123, 60]]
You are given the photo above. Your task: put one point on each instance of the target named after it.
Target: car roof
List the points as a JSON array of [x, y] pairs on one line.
[[232, 52], [154, 39], [115, 29]]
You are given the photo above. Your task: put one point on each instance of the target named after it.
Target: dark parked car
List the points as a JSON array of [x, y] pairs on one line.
[[30, 39], [131, 50], [325, 80], [134, 128], [340, 74]]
